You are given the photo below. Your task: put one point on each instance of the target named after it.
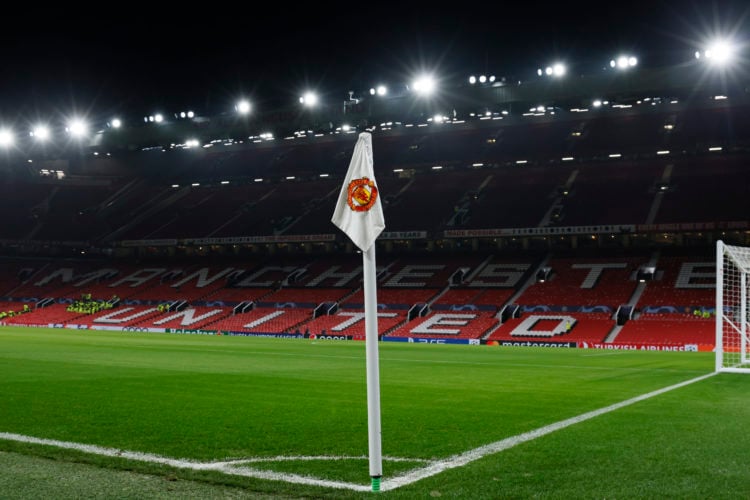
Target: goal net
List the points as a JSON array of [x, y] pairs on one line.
[[732, 308]]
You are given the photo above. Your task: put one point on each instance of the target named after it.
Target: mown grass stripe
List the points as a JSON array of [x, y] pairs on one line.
[[470, 456], [232, 467]]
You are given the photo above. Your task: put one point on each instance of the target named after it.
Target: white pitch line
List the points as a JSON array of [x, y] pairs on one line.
[[470, 456], [183, 463], [434, 467], [304, 458]]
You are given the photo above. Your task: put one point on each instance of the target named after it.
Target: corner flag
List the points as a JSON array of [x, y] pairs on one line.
[[359, 212]]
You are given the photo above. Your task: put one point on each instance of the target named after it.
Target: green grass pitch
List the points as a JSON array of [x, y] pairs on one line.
[[220, 398]]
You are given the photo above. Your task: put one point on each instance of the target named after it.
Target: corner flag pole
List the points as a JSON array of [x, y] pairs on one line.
[[359, 213], [373, 368]]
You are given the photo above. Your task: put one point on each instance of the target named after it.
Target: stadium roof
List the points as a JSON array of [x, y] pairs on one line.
[[180, 59]]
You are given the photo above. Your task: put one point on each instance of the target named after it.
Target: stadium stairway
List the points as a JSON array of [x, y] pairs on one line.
[[310, 207], [44, 209], [530, 281], [30, 280], [633, 302], [169, 197]]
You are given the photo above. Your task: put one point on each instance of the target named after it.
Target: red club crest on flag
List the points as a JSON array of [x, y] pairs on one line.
[[362, 194]]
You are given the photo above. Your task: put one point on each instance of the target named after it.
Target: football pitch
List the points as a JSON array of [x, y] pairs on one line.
[[283, 417]]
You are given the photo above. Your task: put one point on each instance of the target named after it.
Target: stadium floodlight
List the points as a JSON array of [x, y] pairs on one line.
[[597, 103], [424, 85], [40, 133], [483, 79], [6, 138], [556, 70], [472, 79], [183, 114], [191, 114], [243, 107], [77, 127], [492, 78], [309, 99], [720, 53], [116, 123], [624, 62], [380, 90], [158, 118]]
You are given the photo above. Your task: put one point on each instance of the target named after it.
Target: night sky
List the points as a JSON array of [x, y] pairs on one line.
[[134, 58]]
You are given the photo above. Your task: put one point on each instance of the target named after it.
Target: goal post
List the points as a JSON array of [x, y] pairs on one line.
[[732, 296]]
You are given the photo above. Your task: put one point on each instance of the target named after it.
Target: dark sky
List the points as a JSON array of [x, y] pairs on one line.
[[136, 58]]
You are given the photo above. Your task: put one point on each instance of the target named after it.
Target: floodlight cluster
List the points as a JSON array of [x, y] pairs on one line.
[[623, 62], [482, 79], [719, 53]]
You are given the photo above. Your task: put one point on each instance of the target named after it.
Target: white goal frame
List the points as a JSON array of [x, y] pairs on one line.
[[732, 304]]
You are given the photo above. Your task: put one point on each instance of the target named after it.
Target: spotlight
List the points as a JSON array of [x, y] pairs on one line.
[[6, 138], [309, 99], [424, 85], [720, 52], [77, 127], [40, 133], [243, 107]]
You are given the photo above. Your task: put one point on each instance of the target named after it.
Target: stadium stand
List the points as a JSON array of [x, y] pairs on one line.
[[668, 329], [480, 210], [586, 327], [607, 282]]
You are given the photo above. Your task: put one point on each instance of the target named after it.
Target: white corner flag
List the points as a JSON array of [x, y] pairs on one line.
[[359, 213]]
